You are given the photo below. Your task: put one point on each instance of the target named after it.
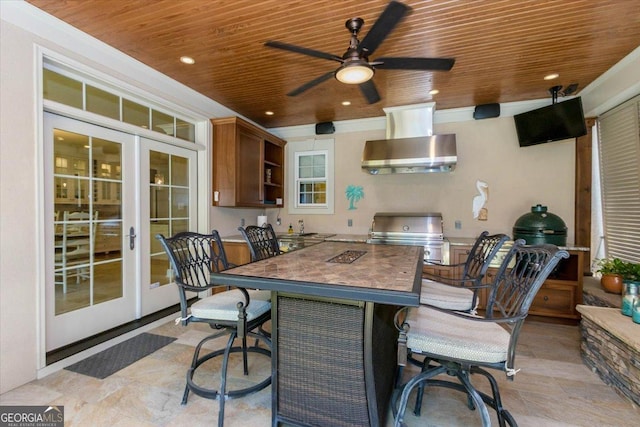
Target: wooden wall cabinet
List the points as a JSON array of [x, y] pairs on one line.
[[248, 165]]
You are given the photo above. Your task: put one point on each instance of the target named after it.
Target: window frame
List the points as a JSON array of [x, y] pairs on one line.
[[295, 149], [310, 180], [619, 155]]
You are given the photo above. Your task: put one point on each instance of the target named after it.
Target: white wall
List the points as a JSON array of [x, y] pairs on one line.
[[18, 210], [486, 149]]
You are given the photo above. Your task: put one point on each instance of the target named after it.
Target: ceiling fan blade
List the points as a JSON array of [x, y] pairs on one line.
[[369, 91], [390, 17], [303, 50], [437, 64], [311, 84]]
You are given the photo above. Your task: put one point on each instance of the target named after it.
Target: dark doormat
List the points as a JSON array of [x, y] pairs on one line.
[[120, 356]]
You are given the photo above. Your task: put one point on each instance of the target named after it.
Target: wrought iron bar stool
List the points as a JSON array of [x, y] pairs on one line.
[[237, 312], [262, 241], [461, 345]]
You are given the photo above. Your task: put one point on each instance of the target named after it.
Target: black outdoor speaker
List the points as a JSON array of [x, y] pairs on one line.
[[486, 111], [325, 128]]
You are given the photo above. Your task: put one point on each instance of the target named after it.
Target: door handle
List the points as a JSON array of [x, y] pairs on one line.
[[132, 238]]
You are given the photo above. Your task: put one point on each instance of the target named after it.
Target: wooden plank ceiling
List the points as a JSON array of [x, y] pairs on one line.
[[502, 48]]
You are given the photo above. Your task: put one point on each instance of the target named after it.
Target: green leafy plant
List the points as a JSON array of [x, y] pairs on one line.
[[631, 271], [628, 270]]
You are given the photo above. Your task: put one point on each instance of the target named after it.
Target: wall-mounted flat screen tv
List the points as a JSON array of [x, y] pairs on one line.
[[555, 122]]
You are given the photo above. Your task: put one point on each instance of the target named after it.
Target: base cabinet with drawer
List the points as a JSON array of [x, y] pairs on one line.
[[562, 291]]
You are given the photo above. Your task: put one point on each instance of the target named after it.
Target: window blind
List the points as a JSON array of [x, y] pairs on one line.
[[619, 147]]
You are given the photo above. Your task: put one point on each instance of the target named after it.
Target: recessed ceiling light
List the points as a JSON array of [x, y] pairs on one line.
[[345, 103], [269, 113], [187, 60], [551, 76], [434, 92]]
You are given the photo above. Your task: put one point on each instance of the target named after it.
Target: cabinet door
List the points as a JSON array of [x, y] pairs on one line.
[[459, 256], [237, 253], [249, 172], [438, 271], [554, 299]]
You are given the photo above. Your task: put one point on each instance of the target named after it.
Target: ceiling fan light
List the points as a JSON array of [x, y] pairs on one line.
[[354, 73]]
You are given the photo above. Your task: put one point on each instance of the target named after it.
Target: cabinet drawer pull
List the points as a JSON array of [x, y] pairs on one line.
[[546, 298]]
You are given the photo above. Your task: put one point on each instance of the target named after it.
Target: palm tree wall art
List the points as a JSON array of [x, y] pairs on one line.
[[354, 194]]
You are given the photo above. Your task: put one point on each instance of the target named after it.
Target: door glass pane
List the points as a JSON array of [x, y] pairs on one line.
[[169, 207], [180, 225], [108, 283], [179, 202], [161, 272], [88, 221], [159, 165], [179, 171]]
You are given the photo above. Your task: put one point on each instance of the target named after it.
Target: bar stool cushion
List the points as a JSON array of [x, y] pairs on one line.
[[441, 334], [446, 297], [223, 305]]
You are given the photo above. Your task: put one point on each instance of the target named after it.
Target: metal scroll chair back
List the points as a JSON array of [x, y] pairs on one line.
[[518, 280], [239, 313], [461, 293], [461, 345], [262, 241], [482, 253], [194, 257]]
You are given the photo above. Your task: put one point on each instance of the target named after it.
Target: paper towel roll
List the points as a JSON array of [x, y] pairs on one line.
[[262, 220]]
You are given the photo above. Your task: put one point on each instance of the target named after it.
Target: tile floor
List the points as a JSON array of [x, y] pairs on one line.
[[553, 388]]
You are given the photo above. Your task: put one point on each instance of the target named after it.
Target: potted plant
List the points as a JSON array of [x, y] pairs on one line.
[[613, 271], [631, 272]]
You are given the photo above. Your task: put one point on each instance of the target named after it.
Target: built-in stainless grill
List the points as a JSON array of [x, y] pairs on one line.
[[412, 228]]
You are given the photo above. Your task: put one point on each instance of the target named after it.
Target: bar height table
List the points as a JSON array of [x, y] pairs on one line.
[[334, 352]]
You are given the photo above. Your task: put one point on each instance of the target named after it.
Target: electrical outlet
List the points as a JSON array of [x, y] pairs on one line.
[[241, 222], [349, 223], [458, 224], [278, 221]]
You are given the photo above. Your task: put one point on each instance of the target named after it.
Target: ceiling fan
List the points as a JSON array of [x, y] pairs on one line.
[[355, 67]]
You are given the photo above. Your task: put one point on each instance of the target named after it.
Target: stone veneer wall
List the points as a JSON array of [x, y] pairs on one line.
[[593, 294], [615, 361]]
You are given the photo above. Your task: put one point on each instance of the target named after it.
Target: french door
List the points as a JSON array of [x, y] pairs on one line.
[[107, 193], [168, 204]]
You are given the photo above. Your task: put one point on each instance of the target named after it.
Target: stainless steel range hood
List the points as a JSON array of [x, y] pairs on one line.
[[410, 146]]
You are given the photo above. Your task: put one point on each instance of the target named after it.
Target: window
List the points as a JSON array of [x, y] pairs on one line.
[[64, 86], [311, 179], [310, 186], [619, 142]]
